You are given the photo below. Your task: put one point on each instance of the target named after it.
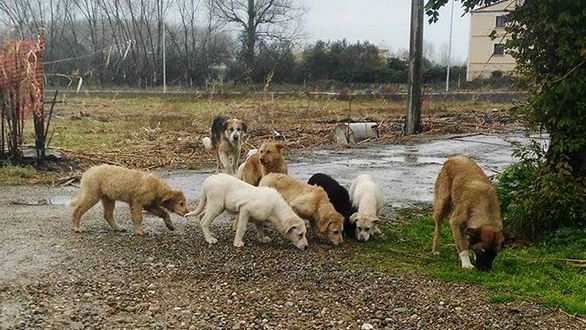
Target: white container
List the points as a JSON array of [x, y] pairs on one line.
[[363, 131]]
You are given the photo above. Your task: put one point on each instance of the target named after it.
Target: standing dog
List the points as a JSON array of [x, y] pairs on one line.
[[367, 197], [224, 192], [226, 141], [268, 159], [140, 189], [339, 198], [310, 202], [463, 189]]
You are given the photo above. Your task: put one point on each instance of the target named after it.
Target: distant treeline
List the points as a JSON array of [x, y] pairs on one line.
[[120, 43]]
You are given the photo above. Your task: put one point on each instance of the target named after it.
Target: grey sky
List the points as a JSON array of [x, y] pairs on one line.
[[384, 23]]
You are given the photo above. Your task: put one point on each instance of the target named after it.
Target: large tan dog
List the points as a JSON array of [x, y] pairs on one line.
[[226, 141], [268, 159], [463, 189], [140, 189], [310, 202]]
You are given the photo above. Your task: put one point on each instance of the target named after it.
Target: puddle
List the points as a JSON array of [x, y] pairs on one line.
[[406, 173]]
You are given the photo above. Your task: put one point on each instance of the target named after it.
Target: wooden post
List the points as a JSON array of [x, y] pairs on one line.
[[413, 121]]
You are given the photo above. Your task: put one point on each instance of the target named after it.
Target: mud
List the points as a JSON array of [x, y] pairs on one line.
[[406, 173], [53, 278]]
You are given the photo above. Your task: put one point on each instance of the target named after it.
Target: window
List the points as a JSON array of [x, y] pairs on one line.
[[500, 22], [499, 49]]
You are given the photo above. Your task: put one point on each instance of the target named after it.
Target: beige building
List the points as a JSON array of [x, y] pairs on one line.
[[486, 55]]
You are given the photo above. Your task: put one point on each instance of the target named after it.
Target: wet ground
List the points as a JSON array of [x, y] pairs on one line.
[[406, 173], [51, 277]]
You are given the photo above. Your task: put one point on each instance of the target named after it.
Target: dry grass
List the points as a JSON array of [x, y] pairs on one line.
[[155, 132]]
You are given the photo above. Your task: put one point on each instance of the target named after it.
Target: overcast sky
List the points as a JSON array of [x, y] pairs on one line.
[[384, 23]]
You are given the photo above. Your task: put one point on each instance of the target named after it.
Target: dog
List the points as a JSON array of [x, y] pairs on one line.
[[463, 189], [226, 142], [259, 204], [309, 202], [339, 198], [141, 190], [268, 159], [367, 198]]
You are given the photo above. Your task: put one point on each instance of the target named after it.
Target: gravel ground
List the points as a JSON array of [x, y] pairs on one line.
[[51, 277]]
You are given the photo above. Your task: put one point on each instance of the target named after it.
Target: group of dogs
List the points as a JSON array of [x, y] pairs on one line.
[[260, 191]]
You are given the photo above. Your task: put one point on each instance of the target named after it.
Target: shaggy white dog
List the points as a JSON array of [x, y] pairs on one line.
[[259, 204], [367, 198]]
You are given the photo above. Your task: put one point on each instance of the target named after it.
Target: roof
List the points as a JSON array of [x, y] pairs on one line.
[[503, 5]]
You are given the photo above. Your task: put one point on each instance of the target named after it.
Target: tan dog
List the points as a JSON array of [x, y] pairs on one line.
[[140, 189], [310, 202], [226, 142], [463, 189], [268, 159]]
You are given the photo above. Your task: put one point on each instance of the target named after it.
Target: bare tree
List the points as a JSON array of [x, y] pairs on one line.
[[258, 20]]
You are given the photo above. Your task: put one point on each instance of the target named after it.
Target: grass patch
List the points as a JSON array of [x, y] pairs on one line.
[[534, 273], [17, 175]]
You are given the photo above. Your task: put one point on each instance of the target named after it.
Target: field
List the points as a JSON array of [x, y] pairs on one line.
[[61, 279], [159, 132]]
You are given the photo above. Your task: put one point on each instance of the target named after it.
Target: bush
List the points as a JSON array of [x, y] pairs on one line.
[[537, 199]]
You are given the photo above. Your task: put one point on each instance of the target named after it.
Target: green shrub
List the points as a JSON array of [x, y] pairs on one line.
[[538, 199]]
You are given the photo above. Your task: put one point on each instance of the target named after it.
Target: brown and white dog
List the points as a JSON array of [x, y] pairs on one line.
[[141, 190], [309, 202], [268, 159], [463, 189], [226, 141]]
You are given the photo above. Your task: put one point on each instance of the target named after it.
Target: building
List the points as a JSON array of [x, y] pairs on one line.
[[486, 53]]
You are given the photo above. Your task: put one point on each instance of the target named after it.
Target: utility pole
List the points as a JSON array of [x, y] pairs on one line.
[[413, 122], [449, 49], [164, 50]]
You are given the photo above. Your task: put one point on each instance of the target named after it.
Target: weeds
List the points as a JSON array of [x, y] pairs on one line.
[[536, 273]]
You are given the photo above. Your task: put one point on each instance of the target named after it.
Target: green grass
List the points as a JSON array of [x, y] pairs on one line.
[[18, 175], [533, 273]]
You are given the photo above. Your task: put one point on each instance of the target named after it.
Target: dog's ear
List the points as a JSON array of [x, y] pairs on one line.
[[323, 227], [375, 220], [474, 234], [225, 125], [509, 239], [291, 229], [279, 146], [354, 217], [170, 196], [244, 127]]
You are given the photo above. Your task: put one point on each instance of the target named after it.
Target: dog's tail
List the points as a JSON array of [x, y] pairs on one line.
[[207, 143], [251, 153], [200, 207]]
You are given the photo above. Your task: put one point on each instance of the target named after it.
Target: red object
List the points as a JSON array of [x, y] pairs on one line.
[[21, 73]]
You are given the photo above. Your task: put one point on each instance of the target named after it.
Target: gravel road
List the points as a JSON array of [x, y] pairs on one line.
[[51, 277]]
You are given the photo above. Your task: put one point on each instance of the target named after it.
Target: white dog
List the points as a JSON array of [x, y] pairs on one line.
[[367, 198], [259, 204]]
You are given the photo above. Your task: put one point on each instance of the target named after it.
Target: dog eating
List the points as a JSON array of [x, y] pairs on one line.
[[222, 192], [339, 198], [309, 202], [367, 198], [141, 190], [465, 193]]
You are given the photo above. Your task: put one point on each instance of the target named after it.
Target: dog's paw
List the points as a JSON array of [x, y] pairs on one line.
[[239, 244], [212, 240], [435, 253], [265, 239], [118, 228], [140, 232], [468, 267], [78, 229]]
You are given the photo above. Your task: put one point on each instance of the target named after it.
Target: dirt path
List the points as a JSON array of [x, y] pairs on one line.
[[51, 277]]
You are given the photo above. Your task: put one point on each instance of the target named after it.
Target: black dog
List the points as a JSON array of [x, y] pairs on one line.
[[339, 198]]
